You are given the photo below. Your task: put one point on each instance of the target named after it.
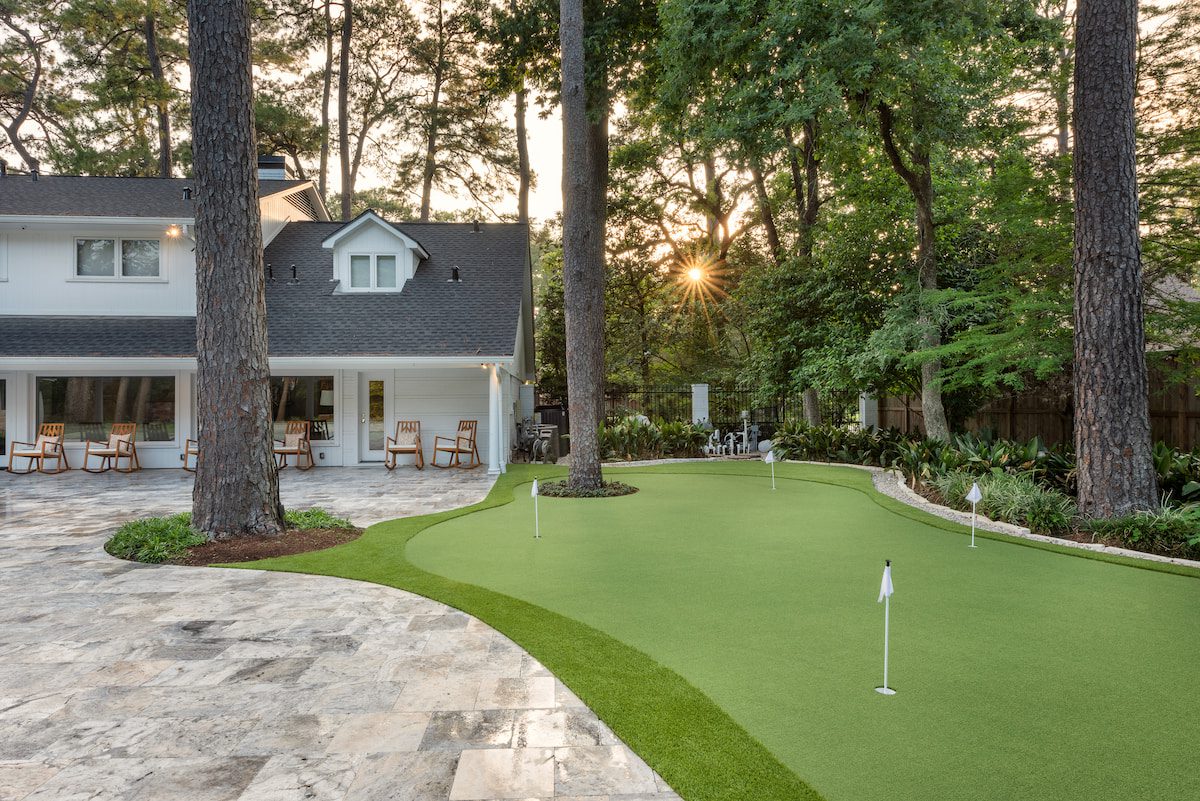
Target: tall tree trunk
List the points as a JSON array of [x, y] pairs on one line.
[[524, 174], [919, 179], [434, 122], [28, 96], [344, 107], [805, 170], [766, 214], [237, 488], [520, 100], [585, 179], [1112, 416], [326, 94], [165, 154]]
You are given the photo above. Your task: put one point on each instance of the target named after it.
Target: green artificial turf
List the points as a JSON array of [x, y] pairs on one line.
[[730, 634]]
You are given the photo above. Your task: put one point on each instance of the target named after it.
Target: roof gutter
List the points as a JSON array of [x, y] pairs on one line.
[[45, 364]]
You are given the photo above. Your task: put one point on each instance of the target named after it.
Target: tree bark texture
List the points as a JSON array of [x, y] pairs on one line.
[[1112, 417], [919, 179], [237, 487], [585, 180], [344, 108]]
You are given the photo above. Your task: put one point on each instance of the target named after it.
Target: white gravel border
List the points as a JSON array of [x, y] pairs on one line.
[[891, 483]]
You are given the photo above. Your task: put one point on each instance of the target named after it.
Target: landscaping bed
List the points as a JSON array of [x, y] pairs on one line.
[[249, 549], [172, 540]]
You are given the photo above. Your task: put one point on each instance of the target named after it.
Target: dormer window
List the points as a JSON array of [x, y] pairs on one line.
[[372, 255], [372, 270], [114, 258]]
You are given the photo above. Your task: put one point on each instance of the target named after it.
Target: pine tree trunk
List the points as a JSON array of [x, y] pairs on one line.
[[237, 488], [434, 122], [344, 108], [165, 154], [326, 94], [524, 175], [1112, 417], [585, 179]]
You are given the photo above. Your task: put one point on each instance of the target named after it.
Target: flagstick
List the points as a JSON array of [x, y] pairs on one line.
[[772, 475], [537, 531], [885, 689], [972, 545]]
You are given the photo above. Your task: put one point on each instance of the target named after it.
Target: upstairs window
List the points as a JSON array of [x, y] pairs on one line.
[[117, 258], [372, 271]]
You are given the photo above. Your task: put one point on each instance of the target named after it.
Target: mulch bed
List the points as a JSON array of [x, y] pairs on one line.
[[248, 549]]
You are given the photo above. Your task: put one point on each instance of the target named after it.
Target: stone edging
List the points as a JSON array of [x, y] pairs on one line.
[[891, 483]]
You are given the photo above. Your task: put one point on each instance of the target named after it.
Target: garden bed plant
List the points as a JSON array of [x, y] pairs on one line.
[[172, 540], [562, 489], [1024, 483]]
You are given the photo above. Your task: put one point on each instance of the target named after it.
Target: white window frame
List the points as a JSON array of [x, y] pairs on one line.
[[374, 287], [118, 245]]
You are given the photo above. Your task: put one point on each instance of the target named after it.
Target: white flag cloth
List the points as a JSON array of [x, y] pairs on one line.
[[974, 496], [770, 457], [533, 493], [885, 588]]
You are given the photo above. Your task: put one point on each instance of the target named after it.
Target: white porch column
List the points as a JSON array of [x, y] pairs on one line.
[[495, 419], [699, 403]]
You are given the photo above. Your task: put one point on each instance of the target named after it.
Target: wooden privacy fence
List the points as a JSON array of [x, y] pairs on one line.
[[1174, 415]]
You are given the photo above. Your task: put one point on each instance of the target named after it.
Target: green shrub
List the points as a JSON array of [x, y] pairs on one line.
[[315, 517], [155, 539], [635, 438], [1012, 498], [1169, 530]]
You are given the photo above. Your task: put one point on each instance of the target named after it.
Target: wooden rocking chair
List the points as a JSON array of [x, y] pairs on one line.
[[407, 440], [461, 443], [120, 445], [296, 442], [191, 451], [49, 445]]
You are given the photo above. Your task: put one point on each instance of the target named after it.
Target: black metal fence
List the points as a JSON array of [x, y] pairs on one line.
[[657, 403], [726, 405]]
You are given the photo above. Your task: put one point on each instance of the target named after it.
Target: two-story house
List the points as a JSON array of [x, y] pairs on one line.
[[369, 321]]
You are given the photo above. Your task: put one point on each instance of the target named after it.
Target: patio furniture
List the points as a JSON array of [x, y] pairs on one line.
[[191, 450], [296, 442], [119, 445], [463, 442], [49, 445], [406, 441]]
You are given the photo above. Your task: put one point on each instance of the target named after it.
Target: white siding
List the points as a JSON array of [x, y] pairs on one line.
[[41, 276], [371, 239], [439, 398]]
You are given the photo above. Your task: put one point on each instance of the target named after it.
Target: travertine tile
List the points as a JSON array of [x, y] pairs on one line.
[[147, 683], [504, 773]]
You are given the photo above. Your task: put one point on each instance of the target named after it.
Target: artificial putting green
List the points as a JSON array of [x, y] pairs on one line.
[[1022, 673]]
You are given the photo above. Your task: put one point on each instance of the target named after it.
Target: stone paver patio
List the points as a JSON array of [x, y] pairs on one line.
[[125, 681]]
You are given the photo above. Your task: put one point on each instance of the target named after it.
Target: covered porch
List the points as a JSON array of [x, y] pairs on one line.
[[351, 405]]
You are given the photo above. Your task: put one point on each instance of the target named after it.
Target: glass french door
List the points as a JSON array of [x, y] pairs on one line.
[[374, 415]]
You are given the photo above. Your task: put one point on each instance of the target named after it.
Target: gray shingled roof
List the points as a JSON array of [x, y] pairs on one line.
[[102, 196], [429, 317]]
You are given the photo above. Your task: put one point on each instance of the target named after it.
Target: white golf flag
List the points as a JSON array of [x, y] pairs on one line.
[[533, 493], [974, 496], [770, 457], [885, 588]]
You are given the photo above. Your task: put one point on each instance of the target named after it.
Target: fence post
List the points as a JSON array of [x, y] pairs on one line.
[[699, 403], [868, 411]]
